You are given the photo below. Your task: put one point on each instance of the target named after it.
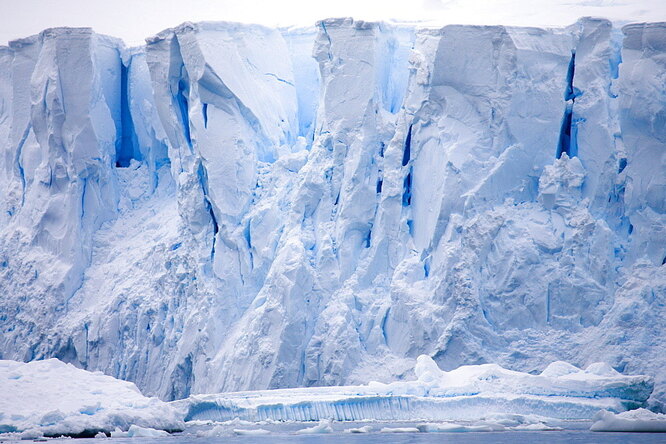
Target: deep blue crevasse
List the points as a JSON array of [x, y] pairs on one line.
[[127, 146], [568, 140]]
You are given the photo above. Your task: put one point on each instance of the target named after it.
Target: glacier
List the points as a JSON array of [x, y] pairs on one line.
[[231, 207]]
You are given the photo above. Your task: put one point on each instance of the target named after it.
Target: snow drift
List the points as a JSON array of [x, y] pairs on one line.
[[231, 207]]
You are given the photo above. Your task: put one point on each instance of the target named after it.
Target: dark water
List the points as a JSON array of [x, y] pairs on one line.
[[425, 438]]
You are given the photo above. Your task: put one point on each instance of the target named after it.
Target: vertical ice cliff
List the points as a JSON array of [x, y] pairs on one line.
[[642, 117], [328, 220], [235, 207], [637, 202], [58, 180]]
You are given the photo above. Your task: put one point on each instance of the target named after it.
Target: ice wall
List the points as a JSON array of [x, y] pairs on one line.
[[232, 207], [642, 114], [58, 181]]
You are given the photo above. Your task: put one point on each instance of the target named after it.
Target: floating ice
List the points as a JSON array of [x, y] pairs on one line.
[[640, 420], [251, 432], [136, 431], [52, 398], [364, 429], [451, 427], [467, 393], [399, 430], [324, 426]]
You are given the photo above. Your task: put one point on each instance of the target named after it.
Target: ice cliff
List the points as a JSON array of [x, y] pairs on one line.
[[231, 207]]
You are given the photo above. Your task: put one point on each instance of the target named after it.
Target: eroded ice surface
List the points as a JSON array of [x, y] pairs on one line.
[[232, 207], [468, 393]]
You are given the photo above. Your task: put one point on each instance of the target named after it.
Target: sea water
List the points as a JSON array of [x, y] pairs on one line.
[[554, 437]]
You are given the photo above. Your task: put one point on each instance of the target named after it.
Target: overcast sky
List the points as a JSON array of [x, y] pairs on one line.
[[134, 20]]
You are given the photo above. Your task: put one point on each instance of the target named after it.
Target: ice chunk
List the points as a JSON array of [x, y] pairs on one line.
[[364, 429], [399, 430], [324, 426], [53, 398], [451, 427], [640, 420], [136, 431], [251, 432], [536, 427]]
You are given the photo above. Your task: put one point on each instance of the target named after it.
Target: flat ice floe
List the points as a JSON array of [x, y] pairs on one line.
[[52, 398], [468, 393]]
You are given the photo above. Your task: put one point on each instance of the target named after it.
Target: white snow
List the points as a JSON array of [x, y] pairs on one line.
[[640, 420], [53, 398]]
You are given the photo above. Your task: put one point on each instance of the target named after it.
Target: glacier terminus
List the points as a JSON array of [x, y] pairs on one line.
[[232, 207]]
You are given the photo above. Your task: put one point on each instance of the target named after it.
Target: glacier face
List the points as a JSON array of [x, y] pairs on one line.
[[232, 207]]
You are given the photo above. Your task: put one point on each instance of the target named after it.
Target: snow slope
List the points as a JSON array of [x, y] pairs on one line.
[[219, 211]]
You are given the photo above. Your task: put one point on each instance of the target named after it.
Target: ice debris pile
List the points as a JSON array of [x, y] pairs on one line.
[[231, 207], [51, 398], [467, 393]]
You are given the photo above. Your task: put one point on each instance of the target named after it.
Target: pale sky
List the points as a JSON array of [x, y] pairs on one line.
[[134, 20]]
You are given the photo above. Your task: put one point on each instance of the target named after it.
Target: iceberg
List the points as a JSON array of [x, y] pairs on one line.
[[468, 393], [52, 398], [251, 432], [323, 427], [640, 420], [234, 208], [364, 429], [136, 431], [399, 430]]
